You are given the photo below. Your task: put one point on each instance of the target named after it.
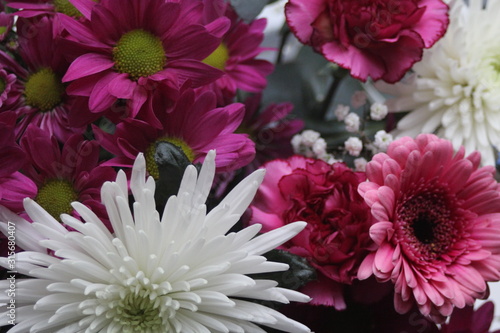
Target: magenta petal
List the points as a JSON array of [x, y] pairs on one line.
[[84, 6], [190, 70], [87, 64], [121, 86], [325, 292], [100, 99]]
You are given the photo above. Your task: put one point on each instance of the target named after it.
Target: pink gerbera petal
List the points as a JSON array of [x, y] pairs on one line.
[[443, 222]]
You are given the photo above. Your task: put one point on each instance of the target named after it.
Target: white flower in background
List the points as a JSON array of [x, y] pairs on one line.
[[319, 147], [378, 111], [341, 111], [352, 122], [455, 89], [381, 141], [360, 164], [353, 145], [177, 273], [309, 137]]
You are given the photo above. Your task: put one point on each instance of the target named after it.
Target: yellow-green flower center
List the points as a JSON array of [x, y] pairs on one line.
[[138, 313], [65, 7], [139, 53], [43, 90], [56, 196], [2, 85], [151, 165], [218, 58], [3, 29]]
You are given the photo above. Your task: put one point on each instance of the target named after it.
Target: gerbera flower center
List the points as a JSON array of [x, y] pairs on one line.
[[3, 29], [218, 58], [56, 196], [139, 53], [151, 165], [43, 90], [428, 226]]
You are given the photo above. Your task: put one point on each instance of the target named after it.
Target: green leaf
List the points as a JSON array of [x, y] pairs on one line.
[[299, 273]]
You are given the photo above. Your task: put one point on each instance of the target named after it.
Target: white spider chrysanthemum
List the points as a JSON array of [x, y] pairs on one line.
[[455, 89], [180, 273]]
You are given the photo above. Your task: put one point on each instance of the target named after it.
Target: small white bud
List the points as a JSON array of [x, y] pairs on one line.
[[354, 146], [378, 111], [341, 111], [352, 122], [360, 164]]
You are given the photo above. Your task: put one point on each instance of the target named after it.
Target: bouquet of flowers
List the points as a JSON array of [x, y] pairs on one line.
[[184, 166]]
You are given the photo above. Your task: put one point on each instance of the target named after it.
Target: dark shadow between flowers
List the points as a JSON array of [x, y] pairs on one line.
[[370, 309]]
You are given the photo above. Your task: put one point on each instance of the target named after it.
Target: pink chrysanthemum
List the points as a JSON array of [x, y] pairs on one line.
[[236, 56], [193, 124], [336, 238], [437, 224], [61, 176], [39, 97], [372, 38], [128, 51]]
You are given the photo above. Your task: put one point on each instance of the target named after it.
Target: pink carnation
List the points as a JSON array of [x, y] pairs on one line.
[[372, 38], [437, 225], [336, 238]]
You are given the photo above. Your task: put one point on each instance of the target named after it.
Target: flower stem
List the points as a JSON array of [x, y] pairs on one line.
[[337, 77], [285, 32]]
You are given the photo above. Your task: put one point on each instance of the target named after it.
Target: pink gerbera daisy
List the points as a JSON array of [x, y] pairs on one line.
[[61, 176], [38, 97], [194, 125], [237, 56], [437, 225], [127, 51]]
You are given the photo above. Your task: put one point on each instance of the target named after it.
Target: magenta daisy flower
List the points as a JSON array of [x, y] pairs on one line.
[[236, 56], [31, 8], [6, 22], [39, 97], [11, 89], [14, 186], [192, 124], [437, 225], [61, 176], [127, 51], [271, 129]]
